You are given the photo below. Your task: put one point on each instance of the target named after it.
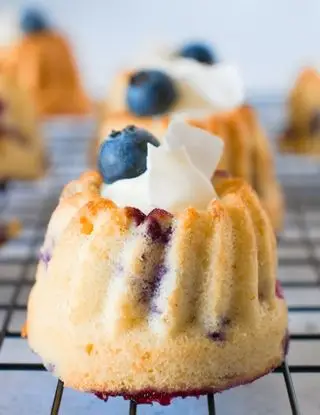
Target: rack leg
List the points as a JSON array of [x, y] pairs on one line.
[[290, 389], [57, 398], [133, 408], [211, 405]]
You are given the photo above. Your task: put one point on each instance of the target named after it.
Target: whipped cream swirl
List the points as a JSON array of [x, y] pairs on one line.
[[178, 173]]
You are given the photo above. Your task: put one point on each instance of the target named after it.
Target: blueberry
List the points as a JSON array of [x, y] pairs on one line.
[[124, 154], [150, 92], [199, 52], [32, 21]]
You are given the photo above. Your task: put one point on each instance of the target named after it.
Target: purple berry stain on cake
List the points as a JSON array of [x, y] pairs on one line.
[[135, 214], [220, 334], [151, 287], [154, 230], [155, 309], [150, 396], [157, 232], [161, 214], [119, 268], [45, 257], [160, 271], [164, 398], [279, 290]]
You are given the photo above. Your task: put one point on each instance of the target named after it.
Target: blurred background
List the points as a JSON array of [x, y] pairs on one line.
[[269, 40]]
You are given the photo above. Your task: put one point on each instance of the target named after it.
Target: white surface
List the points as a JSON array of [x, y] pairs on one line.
[[268, 39]]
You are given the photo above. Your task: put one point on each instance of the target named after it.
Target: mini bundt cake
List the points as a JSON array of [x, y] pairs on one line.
[[220, 109], [22, 154], [43, 64], [142, 290], [303, 131], [145, 95]]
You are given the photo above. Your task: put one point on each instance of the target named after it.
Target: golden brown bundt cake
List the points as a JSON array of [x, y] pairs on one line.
[[303, 131], [156, 303], [247, 151], [175, 88], [42, 62], [248, 155], [208, 97], [44, 66], [22, 153]]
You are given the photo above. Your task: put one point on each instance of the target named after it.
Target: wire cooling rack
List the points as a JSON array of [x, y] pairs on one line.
[[299, 271], [211, 407]]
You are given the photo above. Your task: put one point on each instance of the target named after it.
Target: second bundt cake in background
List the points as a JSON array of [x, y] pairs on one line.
[[43, 64], [248, 155], [210, 97], [142, 289], [302, 135], [22, 153]]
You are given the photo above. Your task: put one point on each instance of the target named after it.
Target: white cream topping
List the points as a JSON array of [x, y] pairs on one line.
[[9, 27], [178, 173], [219, 86]]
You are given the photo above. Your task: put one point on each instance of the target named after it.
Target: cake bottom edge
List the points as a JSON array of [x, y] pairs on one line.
[[164, 398]]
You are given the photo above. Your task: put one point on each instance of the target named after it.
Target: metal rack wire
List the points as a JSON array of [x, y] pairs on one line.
[[21, 283], [22, 255], [284, 369]]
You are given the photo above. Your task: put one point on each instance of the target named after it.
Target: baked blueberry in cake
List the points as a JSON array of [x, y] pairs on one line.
[[211, 97], [142, 290], [42, 63], [302, 133]]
